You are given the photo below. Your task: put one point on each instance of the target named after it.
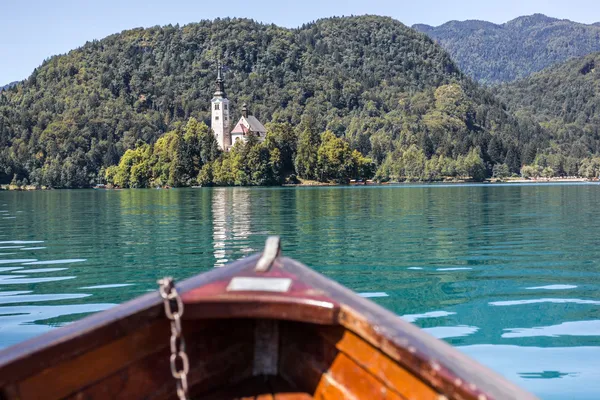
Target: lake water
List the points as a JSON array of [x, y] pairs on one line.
[[509, 274]]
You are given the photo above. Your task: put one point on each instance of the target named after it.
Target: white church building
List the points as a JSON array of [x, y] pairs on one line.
[[220, 123]]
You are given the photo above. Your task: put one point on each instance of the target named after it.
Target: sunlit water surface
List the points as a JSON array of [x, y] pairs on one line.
[[509, 274]]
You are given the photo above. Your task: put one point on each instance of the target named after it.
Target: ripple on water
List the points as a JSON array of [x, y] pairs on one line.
[[40, 270], [373, 294], [22, 279], [573, 328], [108, 286], [30, 298], [18, 261], [535, 301], [447, 332], [454, 269], [22, 322], [430, 314], [14, 292], [552, 287], [50, 262], [6, 269], [21, 241], [538, 368]]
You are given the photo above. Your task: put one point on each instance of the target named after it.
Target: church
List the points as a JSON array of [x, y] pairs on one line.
[[220, 124]]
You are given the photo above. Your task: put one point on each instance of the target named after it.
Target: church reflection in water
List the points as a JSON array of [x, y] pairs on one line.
[[231, 213]]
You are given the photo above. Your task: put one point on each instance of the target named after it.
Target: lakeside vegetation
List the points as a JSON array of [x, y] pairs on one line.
[[565, 101], [190, 156]]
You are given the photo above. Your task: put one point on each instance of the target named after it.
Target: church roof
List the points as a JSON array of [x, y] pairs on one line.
[[240, 128], [254, 125]]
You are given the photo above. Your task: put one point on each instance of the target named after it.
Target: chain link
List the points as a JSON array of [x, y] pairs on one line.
[[174, 312]]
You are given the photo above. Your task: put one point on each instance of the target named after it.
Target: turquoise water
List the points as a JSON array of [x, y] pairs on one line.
[[509, 274]]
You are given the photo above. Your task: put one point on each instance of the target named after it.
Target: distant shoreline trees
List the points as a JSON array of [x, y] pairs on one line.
[[190, 156]]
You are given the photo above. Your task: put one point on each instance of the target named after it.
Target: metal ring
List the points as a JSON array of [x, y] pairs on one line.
[[184, 360], [174, 347]]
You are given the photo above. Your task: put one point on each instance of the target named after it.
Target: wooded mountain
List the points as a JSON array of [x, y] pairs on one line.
[[565, 100], [386, 90], [8, 86], [493, 53]]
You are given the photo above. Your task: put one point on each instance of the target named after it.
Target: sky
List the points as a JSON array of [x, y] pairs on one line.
[[33, 30]]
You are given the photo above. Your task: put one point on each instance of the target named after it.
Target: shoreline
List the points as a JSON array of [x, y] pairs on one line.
[[31, 188]]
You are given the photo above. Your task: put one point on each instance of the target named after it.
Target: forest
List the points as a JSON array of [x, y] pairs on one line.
[[344, 98], [565, 101], [493, 54]]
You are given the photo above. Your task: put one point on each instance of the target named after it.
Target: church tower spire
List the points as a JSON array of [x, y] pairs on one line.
[[220, 82], [220, 112]]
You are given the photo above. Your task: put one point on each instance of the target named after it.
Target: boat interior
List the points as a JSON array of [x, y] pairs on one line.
[[232, 359]]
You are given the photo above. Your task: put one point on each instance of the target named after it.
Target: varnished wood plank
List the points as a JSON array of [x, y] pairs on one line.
[[64, 379], [304, 357], [300, 368], [292, 396], [149, 377], [356, 381], [318, 367], [218, 356], [379, 365], [329, 389]]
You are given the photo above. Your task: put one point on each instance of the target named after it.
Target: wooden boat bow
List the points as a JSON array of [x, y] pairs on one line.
[[264, 319]]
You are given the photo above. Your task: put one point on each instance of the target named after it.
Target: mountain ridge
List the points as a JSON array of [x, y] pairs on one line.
[[8, 85], [497, 53]]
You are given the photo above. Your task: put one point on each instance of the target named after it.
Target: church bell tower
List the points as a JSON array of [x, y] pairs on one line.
[[220, 112]]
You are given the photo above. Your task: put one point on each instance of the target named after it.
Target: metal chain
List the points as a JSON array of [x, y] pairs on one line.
[[174, 312]]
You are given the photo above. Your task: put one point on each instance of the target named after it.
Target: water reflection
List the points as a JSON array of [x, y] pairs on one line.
[[232, 214]]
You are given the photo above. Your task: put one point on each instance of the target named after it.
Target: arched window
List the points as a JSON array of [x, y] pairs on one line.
[[216, 106]]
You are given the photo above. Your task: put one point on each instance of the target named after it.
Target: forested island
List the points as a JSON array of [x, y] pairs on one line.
[[344, 98]]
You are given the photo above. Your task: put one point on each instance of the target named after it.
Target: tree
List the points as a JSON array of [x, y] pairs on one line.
[[306, 161], [500, 171], [530, 171], [205, 177], [548, 172], [334, 159], [474, 165]]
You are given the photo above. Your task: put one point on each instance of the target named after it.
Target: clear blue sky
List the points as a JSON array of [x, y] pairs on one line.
[[32, 30]]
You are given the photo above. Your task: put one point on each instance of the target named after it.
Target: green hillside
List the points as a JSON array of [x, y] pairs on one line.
[[379, 87], [565, 100], [493, 53]]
